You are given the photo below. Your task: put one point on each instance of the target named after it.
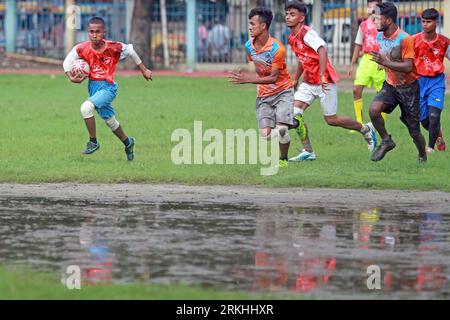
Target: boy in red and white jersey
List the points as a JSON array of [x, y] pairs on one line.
[[319, 81], [430, 50], [102, 56]]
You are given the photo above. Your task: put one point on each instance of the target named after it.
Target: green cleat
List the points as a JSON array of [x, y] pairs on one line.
[[91, 147], [283, 163], [301, 129], [129, 149]]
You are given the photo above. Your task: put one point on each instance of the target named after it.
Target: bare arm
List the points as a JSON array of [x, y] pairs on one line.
[[128, 51], [71, 57], [237, 77], [355, 57], [298, 74], [407, 65], [75, 78], [323, 66]]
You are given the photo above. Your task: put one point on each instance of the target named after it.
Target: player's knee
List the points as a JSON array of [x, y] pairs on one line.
[[356, 93], [434, 117], [375, 110], [297, 111], [112, 123], [283, 133], [265, 133], [87, 109]]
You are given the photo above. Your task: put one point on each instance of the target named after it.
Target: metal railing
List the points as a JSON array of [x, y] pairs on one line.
[[221, 27], [2, 26], [41, 24], [341, 21]]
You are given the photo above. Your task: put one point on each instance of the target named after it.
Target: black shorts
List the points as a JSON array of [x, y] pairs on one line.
[[406, 96]]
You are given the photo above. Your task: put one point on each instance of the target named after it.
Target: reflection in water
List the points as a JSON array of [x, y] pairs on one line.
[[96, 258], [430, 273], [319, 251], [287, 257], [305, 252]]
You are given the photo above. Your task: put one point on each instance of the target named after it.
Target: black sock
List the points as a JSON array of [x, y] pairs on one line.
[[435, 125], [94, 140], [126, 142]]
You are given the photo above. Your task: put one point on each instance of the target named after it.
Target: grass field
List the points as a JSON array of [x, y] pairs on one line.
[[22, 283], [43, 135]]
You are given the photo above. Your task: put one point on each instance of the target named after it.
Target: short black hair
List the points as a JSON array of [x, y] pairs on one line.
[[96, 20], [389, 10], [430, 14], [295, 4], [265, 15]]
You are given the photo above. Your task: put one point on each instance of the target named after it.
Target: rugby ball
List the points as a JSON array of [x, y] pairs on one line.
[[80, 66]]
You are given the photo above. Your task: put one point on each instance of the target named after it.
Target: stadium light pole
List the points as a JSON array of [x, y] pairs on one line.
[[317, 12], [72, 22], [165, 38], [191, 27], [11, 25]]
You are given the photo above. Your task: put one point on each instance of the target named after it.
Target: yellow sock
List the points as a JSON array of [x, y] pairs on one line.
[[358, 106], [384, 115]]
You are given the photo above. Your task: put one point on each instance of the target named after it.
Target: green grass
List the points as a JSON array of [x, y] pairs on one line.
[[43, 133], [22, 284]]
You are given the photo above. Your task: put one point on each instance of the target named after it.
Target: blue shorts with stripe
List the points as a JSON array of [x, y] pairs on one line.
[[102, 94], [432, 93]]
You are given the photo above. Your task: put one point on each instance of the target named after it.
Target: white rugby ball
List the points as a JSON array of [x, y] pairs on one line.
[[80, 66]]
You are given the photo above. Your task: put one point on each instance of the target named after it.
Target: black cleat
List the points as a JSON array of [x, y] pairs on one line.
[[382, 149]]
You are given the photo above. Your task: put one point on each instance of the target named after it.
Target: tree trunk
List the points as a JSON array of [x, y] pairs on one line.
[[141, 29]]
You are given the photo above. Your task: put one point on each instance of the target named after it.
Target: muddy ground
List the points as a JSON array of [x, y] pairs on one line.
[[415, 201]]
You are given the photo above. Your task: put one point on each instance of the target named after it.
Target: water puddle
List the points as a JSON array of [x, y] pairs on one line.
[[329, 253]]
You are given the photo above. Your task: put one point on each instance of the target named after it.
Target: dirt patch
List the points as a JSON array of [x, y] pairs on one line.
[[264, 197]]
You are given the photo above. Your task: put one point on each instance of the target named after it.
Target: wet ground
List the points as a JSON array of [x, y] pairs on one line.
[[314, 250]]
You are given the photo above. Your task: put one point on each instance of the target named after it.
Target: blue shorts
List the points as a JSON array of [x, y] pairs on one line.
[[102, 94], [432, 93]]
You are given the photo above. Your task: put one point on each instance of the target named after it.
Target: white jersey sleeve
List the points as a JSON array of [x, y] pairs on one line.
[[128, 51], [71, 57], [313, 40], [447, 53], [359, 37]]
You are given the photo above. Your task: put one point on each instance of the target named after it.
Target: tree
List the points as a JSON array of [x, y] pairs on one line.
[[141, 29]]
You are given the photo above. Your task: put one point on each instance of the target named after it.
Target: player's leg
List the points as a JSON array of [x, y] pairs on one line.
[[304, 96], [424, 115], [362, 79], [436, 105], [284, 110], [384, 101], [378, 77], [329, 103], [409, 101], [266, 117], [435, 126], [358, 102], [87, 111], [103, 99]]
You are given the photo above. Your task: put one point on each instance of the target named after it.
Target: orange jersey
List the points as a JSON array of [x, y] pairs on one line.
[[430, 54], [103, 63], [272, 55], [305, 45], [398, 47]]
